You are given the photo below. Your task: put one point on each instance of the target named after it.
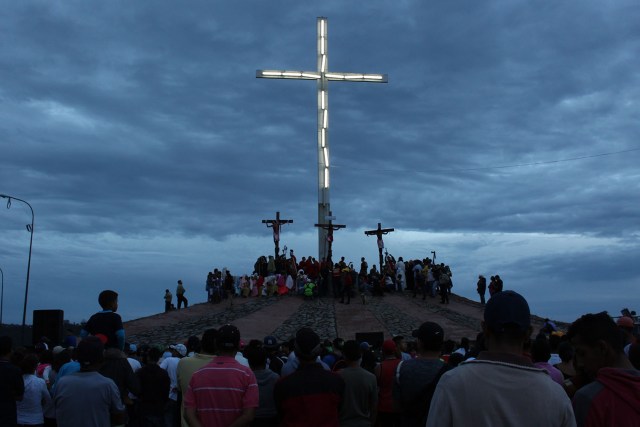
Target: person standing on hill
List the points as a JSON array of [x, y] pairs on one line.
[[180, 295], [229, 288], [167, 300], [482, 288]]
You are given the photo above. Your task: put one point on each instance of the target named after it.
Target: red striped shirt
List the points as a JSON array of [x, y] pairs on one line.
[[221, 390]]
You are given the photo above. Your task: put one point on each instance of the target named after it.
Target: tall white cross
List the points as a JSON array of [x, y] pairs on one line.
[[322, 76]]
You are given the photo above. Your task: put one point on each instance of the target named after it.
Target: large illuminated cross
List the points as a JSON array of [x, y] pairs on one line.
[[322, 76]]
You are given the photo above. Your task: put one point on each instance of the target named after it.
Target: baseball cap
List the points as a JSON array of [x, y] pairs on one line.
[[180, 348], [429, 333], [507, 308], [389, 347], [89, 351], [307, 343], [58, 349], [228, 337], [270, 342]]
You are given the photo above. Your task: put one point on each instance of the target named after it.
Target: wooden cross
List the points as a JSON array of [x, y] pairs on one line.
[[330, 227], [379, 232], [275, 224]]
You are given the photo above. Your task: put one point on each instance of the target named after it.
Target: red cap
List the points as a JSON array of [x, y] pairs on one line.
[[625, 322], [389, 347]]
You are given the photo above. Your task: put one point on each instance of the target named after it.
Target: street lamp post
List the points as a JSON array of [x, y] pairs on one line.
[[1, 296], [26, 289]]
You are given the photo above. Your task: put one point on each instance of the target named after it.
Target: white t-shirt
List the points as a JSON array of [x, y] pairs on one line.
[[491, 393], [170, 364], [36, 399]]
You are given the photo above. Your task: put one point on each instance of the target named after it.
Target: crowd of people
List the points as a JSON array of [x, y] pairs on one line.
[[586, 376], [278, 276]]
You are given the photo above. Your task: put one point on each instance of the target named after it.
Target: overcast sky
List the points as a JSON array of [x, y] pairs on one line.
[[507, 140]]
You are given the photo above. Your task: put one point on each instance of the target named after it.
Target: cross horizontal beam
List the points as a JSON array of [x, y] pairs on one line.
[[314, 75]]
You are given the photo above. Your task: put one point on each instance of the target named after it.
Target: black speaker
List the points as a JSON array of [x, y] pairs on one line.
[[375, 339], [48, 323]]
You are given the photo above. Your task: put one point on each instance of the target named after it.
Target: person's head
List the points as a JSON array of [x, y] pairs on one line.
[[338, 344], [307, 345], [29, 364], [153, 355], [228, 340], [6, 345], [430, 337], [270, 344], [565, 351], [131, 349], [179, 282], [90, 353], [464, 343], [166, 291], [507, 321], [540, 349], [257, 357], [178, 350], [455, 359], [389, 348], [400, 342], [194, 344], [598, 342], [352, 351], [626, 325], [108, 300], [208, 342]]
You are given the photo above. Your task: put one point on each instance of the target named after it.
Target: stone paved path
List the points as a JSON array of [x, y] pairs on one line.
[[393, 314]]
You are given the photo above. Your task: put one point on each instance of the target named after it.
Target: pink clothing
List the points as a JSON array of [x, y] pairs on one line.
[[554, 373], [221, 390]]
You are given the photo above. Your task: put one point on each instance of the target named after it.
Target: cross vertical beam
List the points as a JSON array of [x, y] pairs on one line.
[[379, 232], [275, 224], [322, 77]]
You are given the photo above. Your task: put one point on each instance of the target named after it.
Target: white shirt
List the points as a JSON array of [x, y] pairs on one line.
[[135, 364], [36, 399], [170, 364], [242, 360]]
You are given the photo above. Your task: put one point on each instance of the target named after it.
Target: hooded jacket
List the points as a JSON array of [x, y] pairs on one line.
[[612, 400]]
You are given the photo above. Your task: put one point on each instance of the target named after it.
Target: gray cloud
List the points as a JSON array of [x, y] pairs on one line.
[[146, 121]]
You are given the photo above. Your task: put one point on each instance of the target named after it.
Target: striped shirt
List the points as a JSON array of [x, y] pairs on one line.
[[221, 390]]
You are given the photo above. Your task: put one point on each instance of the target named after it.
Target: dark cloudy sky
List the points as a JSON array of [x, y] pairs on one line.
[[507, 140]]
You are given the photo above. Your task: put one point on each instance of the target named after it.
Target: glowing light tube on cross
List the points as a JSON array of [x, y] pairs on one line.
[[323, 28], [311, 75], [322, 137], [326, 177], [322, 101], [325, 119], [323, 66], [335, 76], [326, 156], [292, 74], [268, 73]]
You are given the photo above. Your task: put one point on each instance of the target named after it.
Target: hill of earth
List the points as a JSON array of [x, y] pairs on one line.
[[393, 314]]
